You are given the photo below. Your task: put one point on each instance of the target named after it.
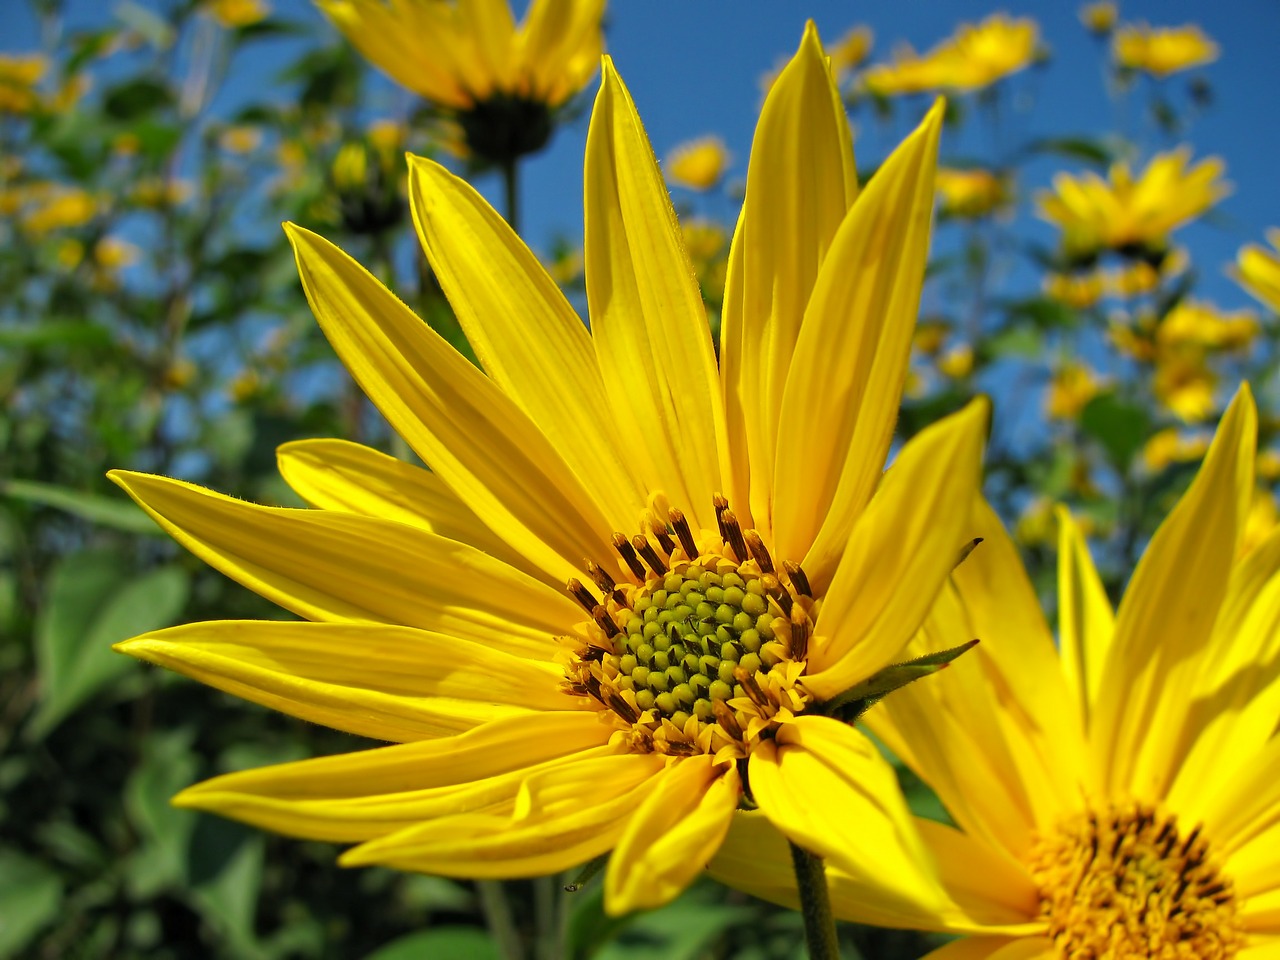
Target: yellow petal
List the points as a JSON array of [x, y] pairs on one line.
[[1085, 618], [828, 790], [490, 24], [900, 553], [561, 46], [841, 399], [337, 566], [1167, 614], [340, 475], [524, 331], [359, 796], [388, 683], [992, 889], [647, 317], [672, 836], [800, 183], [578, 813], [474, 437], [992, 948]]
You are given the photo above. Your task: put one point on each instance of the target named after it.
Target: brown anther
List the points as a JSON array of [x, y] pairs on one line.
[[725, 717], [665, 543], [683, 533], [799, 633], [619, 706], [774, 588], [606, 583], [721, 505], [677, 748], [967, 549], [581, 594], [751, 687], [650, 555], [759, 551], [628, 553], [600, 615], [733, 535], [594, 654], [799, 579]]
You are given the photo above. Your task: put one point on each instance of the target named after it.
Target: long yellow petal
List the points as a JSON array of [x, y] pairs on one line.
[[359, 796], [900, 553], [388, 683], [337, 566], [1085, 618], [1167, 615], [647, 317], [800, 184], [671, 837], [841, 398], [992, 948], [560, 43], [828, 790], [341, 475], [579, 814], [474, 437], [524, 332], [490, 24]]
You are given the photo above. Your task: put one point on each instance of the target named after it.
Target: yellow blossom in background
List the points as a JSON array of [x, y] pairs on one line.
[[1076, 290], [1269, 465], [1257, 269], [115, 253], [244, 386], [970, 193], [66, 208], [237, 13], [1113, 791], [1161, 51], [19, 74], [69, 253], [697, 164], [930, 335], [566, 267], [180, 373], [1125, 281], [619, 587], [240, 139], [1264, 516], [957, 363], [976, 56], [1172, 445], [158, 193], [1099, 17], [1184, 384], [850, 51], [707, 244], [1070, 388], [1121, 213], [1198, 323]]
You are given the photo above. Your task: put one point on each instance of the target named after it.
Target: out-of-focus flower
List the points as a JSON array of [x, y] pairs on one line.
[[157, 193], [1261, 522], [1070, 388], [1161, 51], [566, 266], [244, 386], [975, 57], [1079, 290], [970, 194], [237, 13], [501, 82], [1257, 269], [1128, 215], [1201, 324], [1184, 383], [1125, 281], [69, 253], [697, 164], [115, 253], [1099, 17], [240, 139], [68, 207], [1173, 445], [957, 363], [366, 176], [1269, 465], [19, 74], [707, 244], [535, 726], [930, 336], [179, 374], [850, 51]]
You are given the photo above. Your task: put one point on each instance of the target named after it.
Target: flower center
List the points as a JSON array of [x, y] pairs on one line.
[[1125, 885], [703, 650]]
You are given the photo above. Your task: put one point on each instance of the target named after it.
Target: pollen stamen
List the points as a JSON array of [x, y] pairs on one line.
[[721, 505], [799, 579], [733, 535], [628, 554], [799, 633], [608, 586], [683, 533], [759, 551], [581, 594], [780, 594], [650, 556], [659, 532], [600, 614]]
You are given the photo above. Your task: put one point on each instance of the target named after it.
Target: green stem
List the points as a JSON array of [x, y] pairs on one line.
[[511, 182], [498, 917], [815, 905]]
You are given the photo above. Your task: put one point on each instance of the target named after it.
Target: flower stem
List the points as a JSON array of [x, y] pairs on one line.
[[815, 904], [501, 923], [511, 182]]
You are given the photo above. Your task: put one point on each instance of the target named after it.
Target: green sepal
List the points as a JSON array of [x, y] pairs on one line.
[[850, 705], [587, 873]]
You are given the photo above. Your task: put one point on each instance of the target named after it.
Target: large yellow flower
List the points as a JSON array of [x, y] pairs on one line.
[[468, 58], [1162, 50], [1116, 794], [1257, 269], [542, 725], [1122, 213], [976, 57]]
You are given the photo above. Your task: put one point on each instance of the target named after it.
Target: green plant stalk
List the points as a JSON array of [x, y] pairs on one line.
[[815, 905]]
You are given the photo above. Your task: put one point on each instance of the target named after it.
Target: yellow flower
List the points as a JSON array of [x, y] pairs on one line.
[[237, 13], [541, 725], [1258, 270], [697, 164], [115, 253], [957, 363], [66, 208], [975, 57], [1261, 522], [1099, 17], [1184, 384], [470, 59], [707, 244], [1114, 793], [1073, 385], [930, 335], [850, 51], [1171, 445], [1200, 324], [19, 74], [1269, 465], [1162, 50], [1122, 213], [970, 193], [240, 139], [1079, 290]]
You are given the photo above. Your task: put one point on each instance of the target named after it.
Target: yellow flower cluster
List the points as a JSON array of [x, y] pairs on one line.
[[1257, 269], [697, 164], [975, 57], [1161, 51], [971, 194]]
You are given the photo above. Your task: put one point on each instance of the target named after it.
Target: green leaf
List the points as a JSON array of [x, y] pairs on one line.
[[91, 603], [442, 943], [225, 876], [116, 513], [30, 895], [54, 333], [134, 99], [1121, 427], [852, 703], [1073, 148], [167, 766]]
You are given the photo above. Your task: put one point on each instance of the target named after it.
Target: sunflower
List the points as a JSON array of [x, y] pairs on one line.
[[1115, 795], [1162, 51], [628, 571], [1257, 269]]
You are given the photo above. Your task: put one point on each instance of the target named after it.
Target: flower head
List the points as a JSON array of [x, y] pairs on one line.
[[977, 56], [697, 164], [1161, 51], [470, 60], [1257, 269], [629, 576], [1099, 17], [1113, 793], [971, 194]]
